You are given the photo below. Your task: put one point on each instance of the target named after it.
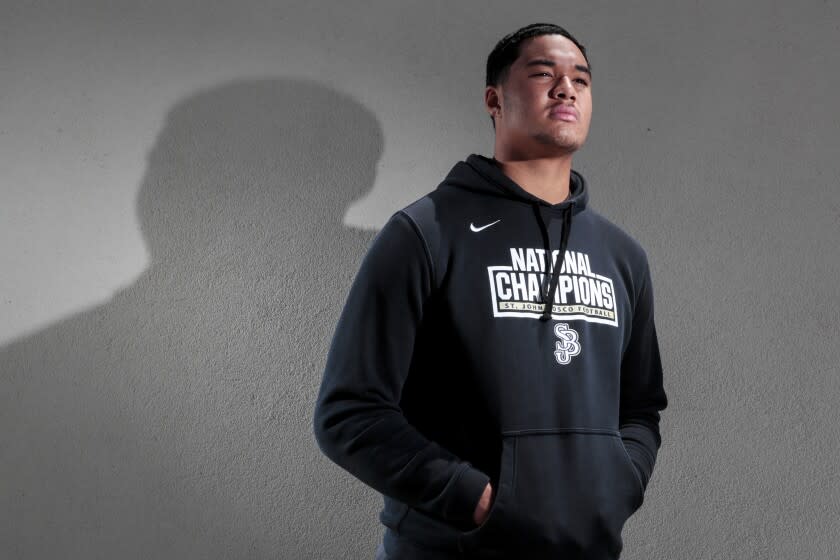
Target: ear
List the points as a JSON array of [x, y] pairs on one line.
[[492, 100]]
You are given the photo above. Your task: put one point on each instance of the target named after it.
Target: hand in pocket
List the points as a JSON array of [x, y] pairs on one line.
[[484, 504]]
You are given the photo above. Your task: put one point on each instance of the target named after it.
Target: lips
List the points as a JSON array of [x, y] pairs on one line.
[[565, 113]]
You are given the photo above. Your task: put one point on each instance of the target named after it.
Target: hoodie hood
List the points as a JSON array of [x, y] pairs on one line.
[[483, 175]]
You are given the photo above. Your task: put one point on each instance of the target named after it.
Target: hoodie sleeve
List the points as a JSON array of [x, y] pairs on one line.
[[642, 392], [358, 422]]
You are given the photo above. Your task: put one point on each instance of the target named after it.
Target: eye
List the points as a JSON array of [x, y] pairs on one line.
[[542, 74], [581, 80]]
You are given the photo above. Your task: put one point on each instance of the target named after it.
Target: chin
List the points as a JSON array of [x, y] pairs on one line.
[[561, 141]]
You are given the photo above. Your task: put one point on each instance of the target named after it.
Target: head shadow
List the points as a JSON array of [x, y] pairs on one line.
[[176, 417]]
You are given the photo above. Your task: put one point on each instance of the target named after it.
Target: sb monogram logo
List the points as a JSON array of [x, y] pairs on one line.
[[568, 345]]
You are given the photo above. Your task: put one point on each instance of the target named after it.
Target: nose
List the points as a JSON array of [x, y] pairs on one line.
[[564, 89]]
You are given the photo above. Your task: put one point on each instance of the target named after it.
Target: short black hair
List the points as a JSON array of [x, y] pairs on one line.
[[506, 51]]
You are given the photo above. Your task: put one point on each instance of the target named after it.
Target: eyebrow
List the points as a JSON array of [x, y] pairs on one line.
[[548, 62]]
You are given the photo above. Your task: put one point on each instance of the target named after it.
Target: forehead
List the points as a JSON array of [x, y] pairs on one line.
[[556, 47]]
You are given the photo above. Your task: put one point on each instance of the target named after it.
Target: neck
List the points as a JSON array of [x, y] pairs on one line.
[[545, 178]]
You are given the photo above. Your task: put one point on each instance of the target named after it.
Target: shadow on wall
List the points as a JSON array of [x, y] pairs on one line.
[[174, 421]]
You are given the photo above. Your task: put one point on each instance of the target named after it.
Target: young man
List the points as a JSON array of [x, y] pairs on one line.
[[495, 372]]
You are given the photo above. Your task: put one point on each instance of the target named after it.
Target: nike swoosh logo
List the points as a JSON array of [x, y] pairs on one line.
[[477, 229]]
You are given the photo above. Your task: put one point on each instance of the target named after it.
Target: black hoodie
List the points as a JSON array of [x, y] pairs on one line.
[[457, 360]]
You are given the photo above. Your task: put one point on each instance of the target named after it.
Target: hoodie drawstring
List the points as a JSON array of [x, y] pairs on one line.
[[548, 298]]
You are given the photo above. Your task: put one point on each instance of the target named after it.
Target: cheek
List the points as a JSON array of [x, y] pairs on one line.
[[587, 114], [531, 101]]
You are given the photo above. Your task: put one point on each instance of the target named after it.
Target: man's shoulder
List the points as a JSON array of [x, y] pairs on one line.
[[431, 204], [411, 217], [420, 209], [429, 213], [617, 237]]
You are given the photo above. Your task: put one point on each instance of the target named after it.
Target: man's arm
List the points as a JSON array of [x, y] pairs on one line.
[[642, 392], [358, 423]]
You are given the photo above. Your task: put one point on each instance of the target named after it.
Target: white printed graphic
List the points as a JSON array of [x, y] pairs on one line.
[[515, 289], [477, 229], [568, 345]]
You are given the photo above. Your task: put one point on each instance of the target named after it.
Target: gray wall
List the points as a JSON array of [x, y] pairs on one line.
[[188, 191]]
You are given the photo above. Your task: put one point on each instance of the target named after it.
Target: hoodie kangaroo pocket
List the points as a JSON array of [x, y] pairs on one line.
[[562, 491], [491, 533], [629, 462]]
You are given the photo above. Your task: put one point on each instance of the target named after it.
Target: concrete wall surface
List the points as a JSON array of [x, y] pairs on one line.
[[188, 189]]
